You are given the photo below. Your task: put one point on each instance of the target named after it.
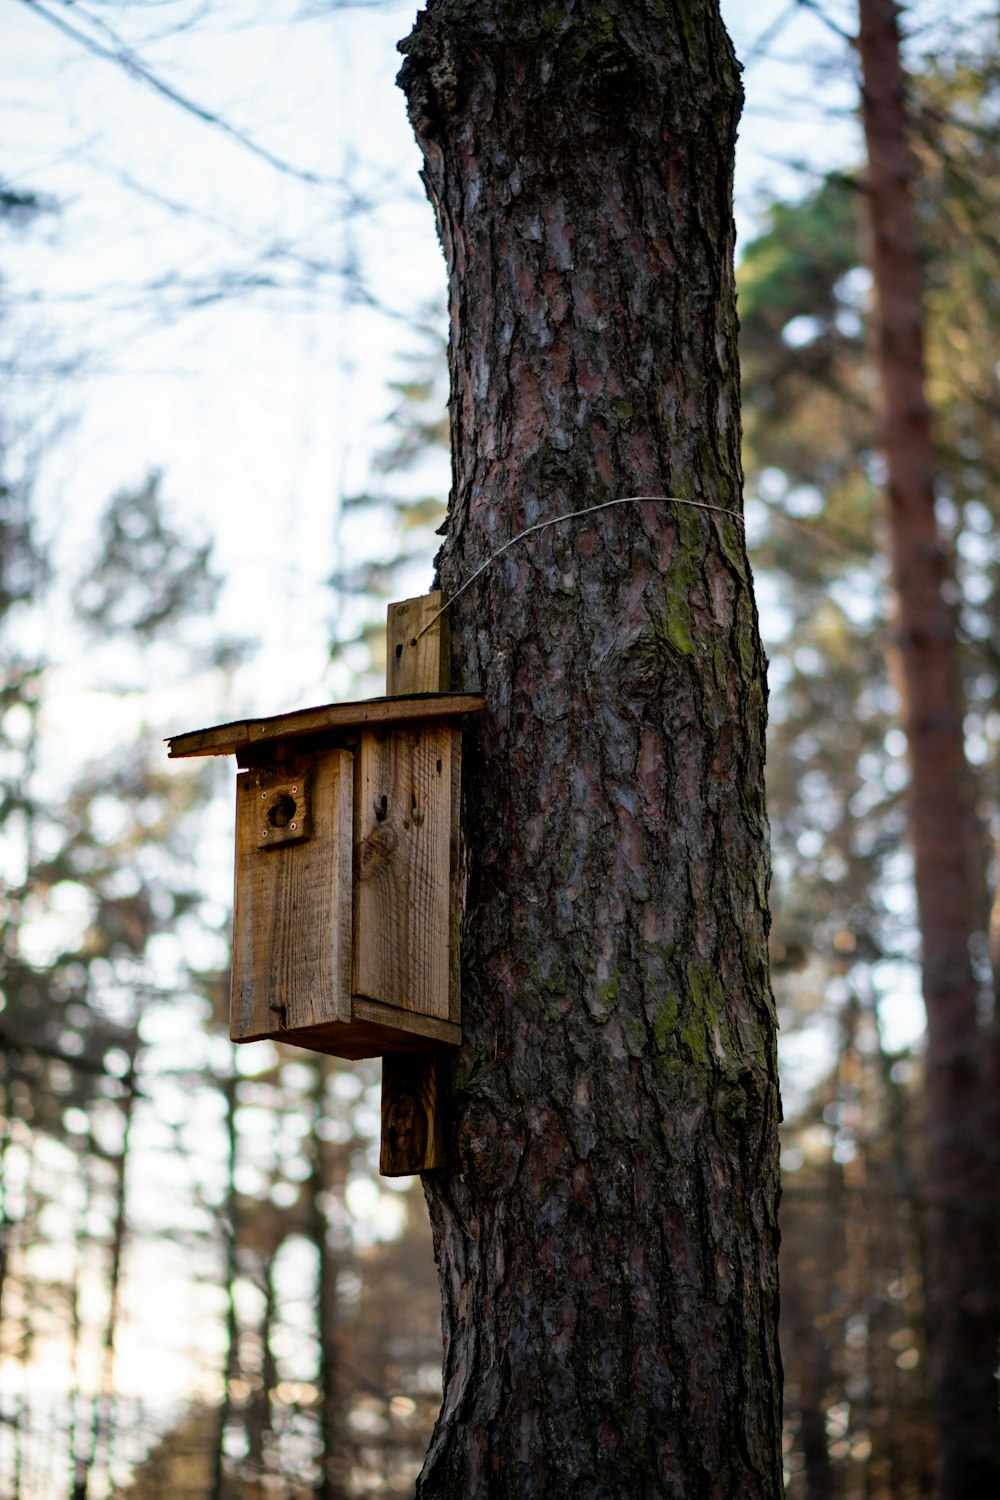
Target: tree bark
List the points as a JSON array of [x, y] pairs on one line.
[[962, 1283], [605, 1229]]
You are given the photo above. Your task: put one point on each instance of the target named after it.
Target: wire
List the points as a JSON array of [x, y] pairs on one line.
[[571, 515]]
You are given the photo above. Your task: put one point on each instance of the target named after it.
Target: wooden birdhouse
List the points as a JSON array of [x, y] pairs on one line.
[[345, 934]]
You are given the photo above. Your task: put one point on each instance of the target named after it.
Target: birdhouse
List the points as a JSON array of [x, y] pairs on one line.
[[345, 932]]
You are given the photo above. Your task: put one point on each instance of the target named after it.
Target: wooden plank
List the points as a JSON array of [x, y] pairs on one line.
[[330, 718], [414, 1088], [454, 904], [375, 1031], [292, 920], [423, 1031], [417, 646], [412, 1133], [402, 887]]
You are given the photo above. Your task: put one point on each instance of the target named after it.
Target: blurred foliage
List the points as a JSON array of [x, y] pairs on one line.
[[146, 575], [397, 525], [142, 1165], [844, 943]]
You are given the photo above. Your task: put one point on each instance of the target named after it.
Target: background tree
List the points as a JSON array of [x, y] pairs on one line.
[[606, 1229], [845, 928], [115, 1176], [961, 1115]]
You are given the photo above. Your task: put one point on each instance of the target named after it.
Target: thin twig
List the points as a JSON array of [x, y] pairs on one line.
[[119, 53]]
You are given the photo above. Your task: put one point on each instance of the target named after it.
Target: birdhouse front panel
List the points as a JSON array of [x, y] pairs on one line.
[[292, 927], [403, 886]]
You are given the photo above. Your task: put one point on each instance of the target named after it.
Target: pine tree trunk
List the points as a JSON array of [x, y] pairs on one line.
[[605, 1229], [962, 1282]]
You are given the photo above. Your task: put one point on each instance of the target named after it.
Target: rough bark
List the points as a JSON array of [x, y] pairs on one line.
[[605, 1230], [962, 1284]]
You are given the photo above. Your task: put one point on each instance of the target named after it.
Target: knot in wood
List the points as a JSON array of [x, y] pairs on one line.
[[375, 850]]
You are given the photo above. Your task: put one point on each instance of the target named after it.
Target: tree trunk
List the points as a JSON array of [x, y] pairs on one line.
[[259, 1417], [230, 1237], [103, 1429], [961, 1232], [605, 1229], [331, 1462]]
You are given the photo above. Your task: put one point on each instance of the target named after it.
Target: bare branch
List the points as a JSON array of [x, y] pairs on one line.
[[119, 53]]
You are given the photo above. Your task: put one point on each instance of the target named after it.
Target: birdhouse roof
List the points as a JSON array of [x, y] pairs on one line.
[[330, 719]]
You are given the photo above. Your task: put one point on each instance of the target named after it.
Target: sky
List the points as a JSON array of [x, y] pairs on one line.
[[257, 374]]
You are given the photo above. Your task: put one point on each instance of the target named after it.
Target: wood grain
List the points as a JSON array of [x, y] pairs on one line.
[[414, 1088], [292, 920], [417, 646], [412, 1134], [329, 719], [375, 1031], [402, 891]]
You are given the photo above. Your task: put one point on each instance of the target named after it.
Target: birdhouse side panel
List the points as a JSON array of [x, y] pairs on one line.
[[403, 869], [292, 921]]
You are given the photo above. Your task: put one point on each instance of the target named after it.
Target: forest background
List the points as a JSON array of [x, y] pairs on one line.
[[222, 444]]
